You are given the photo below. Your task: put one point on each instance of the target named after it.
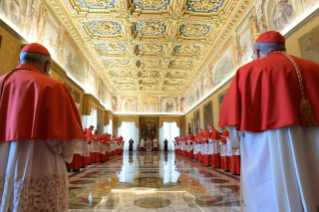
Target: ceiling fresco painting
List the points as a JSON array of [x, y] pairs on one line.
[[164, 56]]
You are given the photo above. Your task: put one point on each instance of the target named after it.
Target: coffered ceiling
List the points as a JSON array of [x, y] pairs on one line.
[[144, 47]]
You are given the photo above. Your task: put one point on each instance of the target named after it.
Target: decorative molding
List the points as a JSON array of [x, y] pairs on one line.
[[89, 102], [13, 32], [61, 72], [68, 79], [170, 119], [302, 23]]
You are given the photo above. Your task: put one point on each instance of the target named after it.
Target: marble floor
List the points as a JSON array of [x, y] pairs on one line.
[[153, 181]]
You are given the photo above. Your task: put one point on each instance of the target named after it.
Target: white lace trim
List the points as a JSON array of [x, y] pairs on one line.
[[65, 148], [33, 194]]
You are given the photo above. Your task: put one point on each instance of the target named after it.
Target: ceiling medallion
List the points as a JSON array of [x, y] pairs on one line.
[[105, 27], [97, 4], [194, 30], [151, 4], [181, 63], [186, 49], [204, 6], [152, 62], [147, 28], [117, 61], [112, 47], [149, 48]]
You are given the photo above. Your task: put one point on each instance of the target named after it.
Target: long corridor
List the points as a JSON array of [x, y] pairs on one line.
[[153, 181]]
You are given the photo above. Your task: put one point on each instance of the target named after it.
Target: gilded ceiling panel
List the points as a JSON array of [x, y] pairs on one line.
[[147, 28], [180, 63], [150, 46], [151, 4]]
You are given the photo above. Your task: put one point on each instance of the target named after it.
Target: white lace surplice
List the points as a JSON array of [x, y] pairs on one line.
[[85, 148], [279, 169], [33, 175], [95, 146]]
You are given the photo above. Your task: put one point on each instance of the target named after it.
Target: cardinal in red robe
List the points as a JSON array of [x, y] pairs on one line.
[[40, 127], [214, 148], [85, 156], [224, 158], [95, 146], [89, 135], [201, 152], [207, 158], [102, 139], [272, 112]]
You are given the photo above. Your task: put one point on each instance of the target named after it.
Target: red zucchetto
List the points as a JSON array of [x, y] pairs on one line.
[[35, 48], [271, 37]]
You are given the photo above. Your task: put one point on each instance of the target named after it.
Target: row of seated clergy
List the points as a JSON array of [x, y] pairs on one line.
[[209, 148], [95, 149], [149, 145]]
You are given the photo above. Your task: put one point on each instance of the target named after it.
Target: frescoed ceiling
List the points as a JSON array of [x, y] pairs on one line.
[[150, 47]]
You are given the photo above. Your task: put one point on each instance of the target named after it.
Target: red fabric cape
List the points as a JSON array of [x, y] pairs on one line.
[[207, 134], [102, 138], [89, 133], [265, 94], [215, 135], [95, 138], [226, 134], [33, 106], [84, 138]]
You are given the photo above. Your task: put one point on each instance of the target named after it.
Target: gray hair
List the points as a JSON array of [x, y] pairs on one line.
[[266, 48], [31, 57]]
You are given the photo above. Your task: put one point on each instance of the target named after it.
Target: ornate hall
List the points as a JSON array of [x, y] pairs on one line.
[[159, 105]]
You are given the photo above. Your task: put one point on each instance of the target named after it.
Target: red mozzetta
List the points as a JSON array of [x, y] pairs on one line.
[[49, 111], [265, 94]]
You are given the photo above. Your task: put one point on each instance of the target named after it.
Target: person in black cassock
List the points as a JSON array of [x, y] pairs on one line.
[[131, 145], [165, 145]]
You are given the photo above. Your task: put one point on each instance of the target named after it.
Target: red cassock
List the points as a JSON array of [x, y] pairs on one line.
[[40, 127], [178, 145], [89, 136], [216, 160], [113, 147], [207, 158], [195, 148], [184, 146], [225, 160], [108, 148], [191, 143], [76, 163], [103, 156], [200, 154], [117, 150], [95, 149], [120, 148], [235, 164], [85, 156]]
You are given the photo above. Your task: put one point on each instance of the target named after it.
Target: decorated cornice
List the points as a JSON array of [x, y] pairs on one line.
[[60, 71]]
